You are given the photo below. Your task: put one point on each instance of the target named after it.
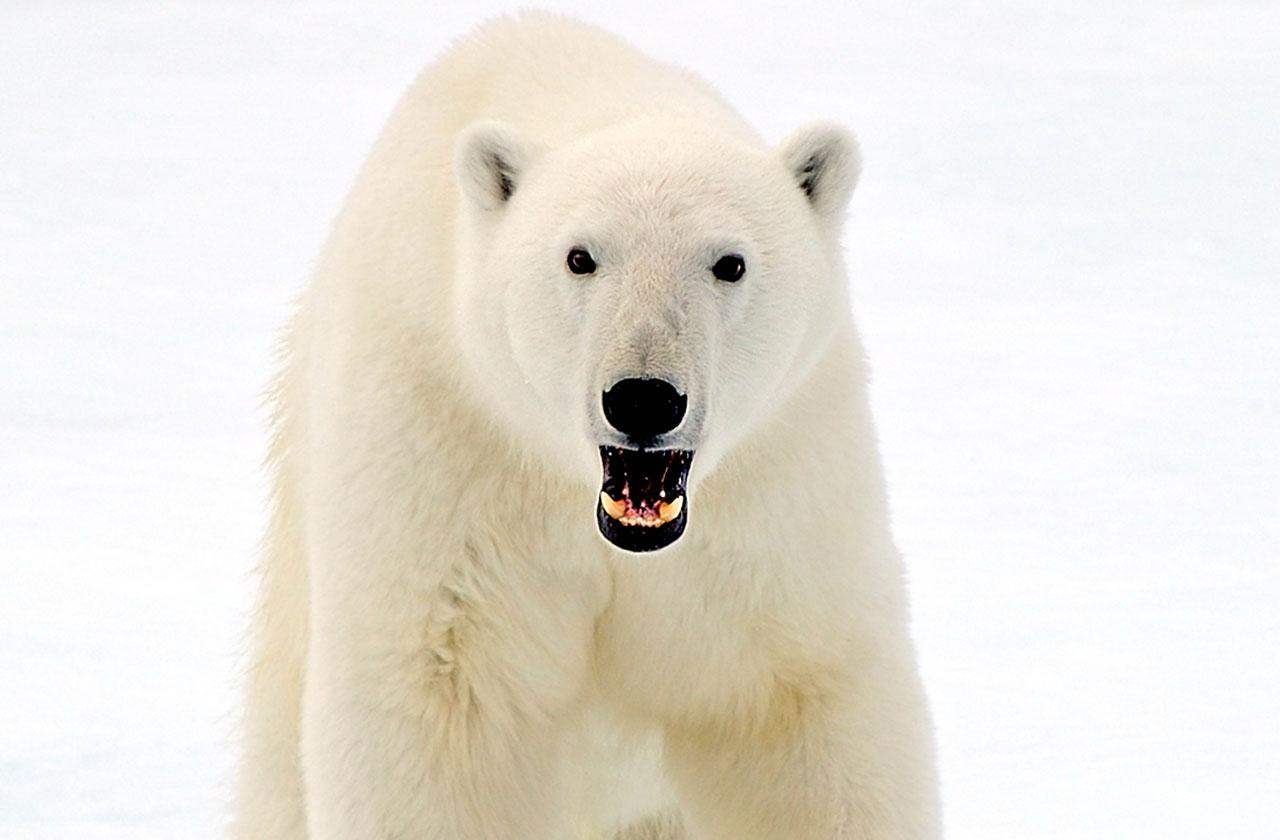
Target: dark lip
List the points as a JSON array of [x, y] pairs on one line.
[[651, 471]]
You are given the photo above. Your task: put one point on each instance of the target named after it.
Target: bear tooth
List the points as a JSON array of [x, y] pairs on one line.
[[614, 508], [669, 511]]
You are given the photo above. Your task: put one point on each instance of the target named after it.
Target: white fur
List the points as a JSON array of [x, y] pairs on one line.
[[445, 647]]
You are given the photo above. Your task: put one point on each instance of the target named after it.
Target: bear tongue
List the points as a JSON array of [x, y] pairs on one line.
[[628, 512]]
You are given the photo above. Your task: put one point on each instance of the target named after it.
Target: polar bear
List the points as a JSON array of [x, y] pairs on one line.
[[579, 525]]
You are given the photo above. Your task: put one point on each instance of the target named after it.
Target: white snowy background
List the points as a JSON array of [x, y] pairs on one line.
[[1066, 259]]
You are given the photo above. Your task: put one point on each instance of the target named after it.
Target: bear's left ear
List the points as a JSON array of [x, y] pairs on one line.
[[489, 161], [824, 161]]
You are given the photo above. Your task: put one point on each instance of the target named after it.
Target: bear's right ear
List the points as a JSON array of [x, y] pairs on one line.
[[489, 161]]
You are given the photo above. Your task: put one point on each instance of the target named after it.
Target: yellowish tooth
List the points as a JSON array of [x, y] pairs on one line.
[[614, 508], [669, 511]]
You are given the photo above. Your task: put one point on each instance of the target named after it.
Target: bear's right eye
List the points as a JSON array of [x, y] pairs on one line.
[[580, 262], [729, 268]]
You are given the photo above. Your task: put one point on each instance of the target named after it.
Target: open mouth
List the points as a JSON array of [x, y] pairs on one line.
[[642, 503]]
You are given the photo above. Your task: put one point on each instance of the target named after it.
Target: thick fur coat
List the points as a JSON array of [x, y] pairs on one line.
[[445, 646]]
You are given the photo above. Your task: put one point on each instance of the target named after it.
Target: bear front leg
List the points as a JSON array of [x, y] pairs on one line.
[[858, 765], [432, 716]]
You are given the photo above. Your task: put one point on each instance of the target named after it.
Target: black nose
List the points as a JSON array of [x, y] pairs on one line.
[[644, 408]]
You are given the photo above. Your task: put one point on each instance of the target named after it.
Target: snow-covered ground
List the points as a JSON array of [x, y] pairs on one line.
[[1067, 260]]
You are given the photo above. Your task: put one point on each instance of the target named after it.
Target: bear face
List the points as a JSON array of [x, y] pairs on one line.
[[638, 301]]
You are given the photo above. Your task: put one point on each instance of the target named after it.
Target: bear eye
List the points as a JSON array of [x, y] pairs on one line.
[[729, 268], [580, 262]]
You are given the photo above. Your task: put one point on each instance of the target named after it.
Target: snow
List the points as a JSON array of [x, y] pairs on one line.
[[1067, 270]]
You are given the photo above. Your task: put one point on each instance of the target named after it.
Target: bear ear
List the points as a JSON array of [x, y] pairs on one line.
[[489, 161], [824, 161]]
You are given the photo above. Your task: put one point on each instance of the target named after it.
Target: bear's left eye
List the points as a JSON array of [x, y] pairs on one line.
[[580, 262], [729, 268]]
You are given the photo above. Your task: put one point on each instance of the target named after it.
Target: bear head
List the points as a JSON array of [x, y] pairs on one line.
[[635, 302]]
